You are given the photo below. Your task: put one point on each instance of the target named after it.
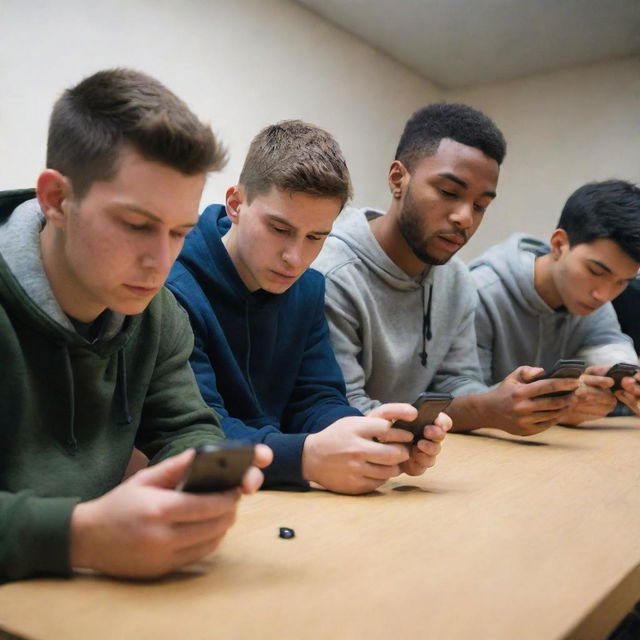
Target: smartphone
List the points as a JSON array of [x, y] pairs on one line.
[[619, 371], [563, 368], [217, 467], [429, 405]]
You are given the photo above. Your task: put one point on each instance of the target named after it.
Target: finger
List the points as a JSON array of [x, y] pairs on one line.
[[550, 403], [380, 471], [418, 463], [263, 456], [252, 480], [427, 447], [601, 382], [165, 474], [631, 386], [552, 385], [526, 373], [196, 552], [434, 432], [179, 506], [444, 420], [385, 454], [188, 534], [630, 400], [597, 369], [394, 411], [396, 434]]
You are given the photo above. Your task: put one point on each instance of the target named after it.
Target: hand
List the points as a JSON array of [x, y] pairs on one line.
[[630, 392], [592, 399], [516, 405], [357, 454], [423, 454], [144, 528]]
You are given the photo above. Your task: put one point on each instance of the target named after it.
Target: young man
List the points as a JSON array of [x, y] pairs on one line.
[[542, 302], [262, 355], [94, 351], [400, 306]]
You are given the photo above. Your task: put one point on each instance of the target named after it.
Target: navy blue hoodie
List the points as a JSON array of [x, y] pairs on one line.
[[263, 361]]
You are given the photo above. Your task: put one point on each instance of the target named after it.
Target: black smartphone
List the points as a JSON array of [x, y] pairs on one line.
[[563, 368], [429, 404], [619, 371], [217, 467]]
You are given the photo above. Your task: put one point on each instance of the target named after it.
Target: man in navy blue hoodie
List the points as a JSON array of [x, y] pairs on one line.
[[262, 355]]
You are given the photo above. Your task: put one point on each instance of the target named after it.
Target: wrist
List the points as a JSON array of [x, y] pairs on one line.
[[81, 555], [309, 457]]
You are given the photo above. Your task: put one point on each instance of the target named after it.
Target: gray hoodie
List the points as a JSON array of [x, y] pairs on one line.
[[396, 336], [515, 326]]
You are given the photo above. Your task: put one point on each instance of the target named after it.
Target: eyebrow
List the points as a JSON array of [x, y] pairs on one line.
[[151, 216], [454, 178], [288, 224]]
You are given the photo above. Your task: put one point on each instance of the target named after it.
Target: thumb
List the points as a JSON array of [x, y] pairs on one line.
[[165, 474], [394, 411], [526, 373]]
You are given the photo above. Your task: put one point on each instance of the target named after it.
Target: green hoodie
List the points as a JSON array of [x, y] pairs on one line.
[[72, 410]]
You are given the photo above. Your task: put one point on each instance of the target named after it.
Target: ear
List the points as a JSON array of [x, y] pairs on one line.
[[559, 243], [235, 197], [54, 193], [398, 178]]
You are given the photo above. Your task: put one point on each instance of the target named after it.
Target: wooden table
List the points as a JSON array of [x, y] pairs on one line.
[[506, 538]]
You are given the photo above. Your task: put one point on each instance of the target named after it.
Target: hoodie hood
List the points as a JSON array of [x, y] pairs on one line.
[[32, 300], [513, 261]]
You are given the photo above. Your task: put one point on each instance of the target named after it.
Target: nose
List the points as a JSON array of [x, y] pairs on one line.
[[603, 293], [462, 215], [292, 254], [159, 255]]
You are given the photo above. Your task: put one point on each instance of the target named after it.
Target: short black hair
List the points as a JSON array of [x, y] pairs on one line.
[[460, 122], [610, 210]]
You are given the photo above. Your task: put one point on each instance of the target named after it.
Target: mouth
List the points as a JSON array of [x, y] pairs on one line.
[[452, 241], [141, 291], [285, 277]]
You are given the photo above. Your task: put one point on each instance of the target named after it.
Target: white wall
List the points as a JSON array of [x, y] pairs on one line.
[[563, 129], [240, 64]]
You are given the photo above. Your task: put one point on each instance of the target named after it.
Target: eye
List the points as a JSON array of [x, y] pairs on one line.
[[178, 235], [281, 230], [479, 208], [316, 238], [448, 194], [142, 228], [597, 274]]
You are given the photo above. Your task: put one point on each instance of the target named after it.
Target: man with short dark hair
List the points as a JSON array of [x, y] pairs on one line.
[[540, 302], [400, 306], [95, 351], [262, 354]]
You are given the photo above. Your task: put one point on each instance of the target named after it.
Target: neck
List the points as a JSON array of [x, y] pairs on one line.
[[543, 280], [229, 241], [64, 285], [387, 232]]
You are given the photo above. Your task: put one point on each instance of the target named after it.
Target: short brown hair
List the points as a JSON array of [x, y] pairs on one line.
[[296, 156], [92, 122]]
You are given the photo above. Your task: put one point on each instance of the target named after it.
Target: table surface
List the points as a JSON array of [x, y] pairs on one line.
[[505, 538]]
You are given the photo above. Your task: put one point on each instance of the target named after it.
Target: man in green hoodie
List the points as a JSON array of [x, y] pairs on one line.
[[95, 351]]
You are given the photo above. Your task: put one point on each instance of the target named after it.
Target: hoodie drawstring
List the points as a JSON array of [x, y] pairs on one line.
[[426, 326], [71, 444], [124, 416]]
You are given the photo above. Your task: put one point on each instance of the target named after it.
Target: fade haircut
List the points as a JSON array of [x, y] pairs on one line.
[[92, 122], [609, 210], [298, 157], [464, 124]]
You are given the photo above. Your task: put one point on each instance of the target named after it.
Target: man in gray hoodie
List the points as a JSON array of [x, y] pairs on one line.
[[540, 302], [401, 307]]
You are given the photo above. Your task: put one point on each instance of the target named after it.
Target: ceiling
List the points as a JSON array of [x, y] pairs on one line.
[[461, 43]]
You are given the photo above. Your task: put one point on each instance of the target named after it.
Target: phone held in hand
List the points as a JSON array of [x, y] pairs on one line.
[[563, 368], [217, 467], [429, 404], [619, 371]]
